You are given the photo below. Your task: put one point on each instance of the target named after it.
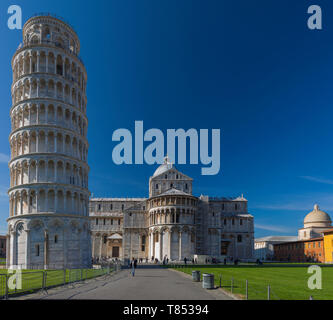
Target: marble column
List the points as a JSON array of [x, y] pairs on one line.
[[12, 251], [93, 239], [64, 247], [161, 245], [38, 54], [100, 248], [180, 245], [170, 244], [27, 249], [46, 249], [8, 255]]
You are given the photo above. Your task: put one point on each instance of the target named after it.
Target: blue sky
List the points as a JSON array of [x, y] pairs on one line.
[[253, 70]]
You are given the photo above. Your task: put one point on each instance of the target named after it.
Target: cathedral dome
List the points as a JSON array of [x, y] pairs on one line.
[[165, 166], [317, 218]]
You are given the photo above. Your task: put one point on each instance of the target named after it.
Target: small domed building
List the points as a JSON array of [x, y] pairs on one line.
[[315, 223], [310, 246]]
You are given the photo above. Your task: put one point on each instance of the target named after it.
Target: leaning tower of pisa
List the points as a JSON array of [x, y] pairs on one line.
[[48, 224]]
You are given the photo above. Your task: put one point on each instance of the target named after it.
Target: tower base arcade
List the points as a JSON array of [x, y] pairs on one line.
[[48, 242]]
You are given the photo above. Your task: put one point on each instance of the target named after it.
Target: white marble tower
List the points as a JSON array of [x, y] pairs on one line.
[[48, 223]]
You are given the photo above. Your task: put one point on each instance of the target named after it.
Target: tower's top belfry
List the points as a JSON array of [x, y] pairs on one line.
[[49, 29]]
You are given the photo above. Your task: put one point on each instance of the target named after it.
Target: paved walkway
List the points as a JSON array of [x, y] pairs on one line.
[[148, 284]]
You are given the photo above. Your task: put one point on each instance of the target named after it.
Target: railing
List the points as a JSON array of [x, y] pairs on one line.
[[239, 288], [43, 279], [55, 43], [256, 288], [101, 214], [107, 227]]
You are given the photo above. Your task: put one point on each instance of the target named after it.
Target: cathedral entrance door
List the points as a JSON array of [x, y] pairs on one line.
[[224, 247], [115, 252]]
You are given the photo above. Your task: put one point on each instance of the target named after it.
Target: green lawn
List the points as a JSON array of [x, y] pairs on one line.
[[33, 279], [286, 283]]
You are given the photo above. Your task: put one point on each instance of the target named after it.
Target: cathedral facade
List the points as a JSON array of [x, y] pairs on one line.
[[171, 223]]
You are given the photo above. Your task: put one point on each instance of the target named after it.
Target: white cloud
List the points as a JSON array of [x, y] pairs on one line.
[[284, 206], [3, 230], [317, 179], [274, 228], [300, 202], [297, 202], [3, 192], [4, 158]]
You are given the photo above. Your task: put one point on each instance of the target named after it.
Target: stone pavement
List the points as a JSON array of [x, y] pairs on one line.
[[148, 284]]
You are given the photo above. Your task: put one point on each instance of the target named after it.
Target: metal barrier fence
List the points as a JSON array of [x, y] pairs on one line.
[[29, 281], [243, 289]]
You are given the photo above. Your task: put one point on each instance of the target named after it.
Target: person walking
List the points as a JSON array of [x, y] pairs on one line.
[[133, 267]]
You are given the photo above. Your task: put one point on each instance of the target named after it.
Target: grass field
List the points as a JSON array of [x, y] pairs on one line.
[[33, 279], [286, 282]]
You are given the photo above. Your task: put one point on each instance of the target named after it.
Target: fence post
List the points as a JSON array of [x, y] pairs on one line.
[[220, 281], [268, 292], [232, 285], [6, 286], [43, 281], [247, 290]]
